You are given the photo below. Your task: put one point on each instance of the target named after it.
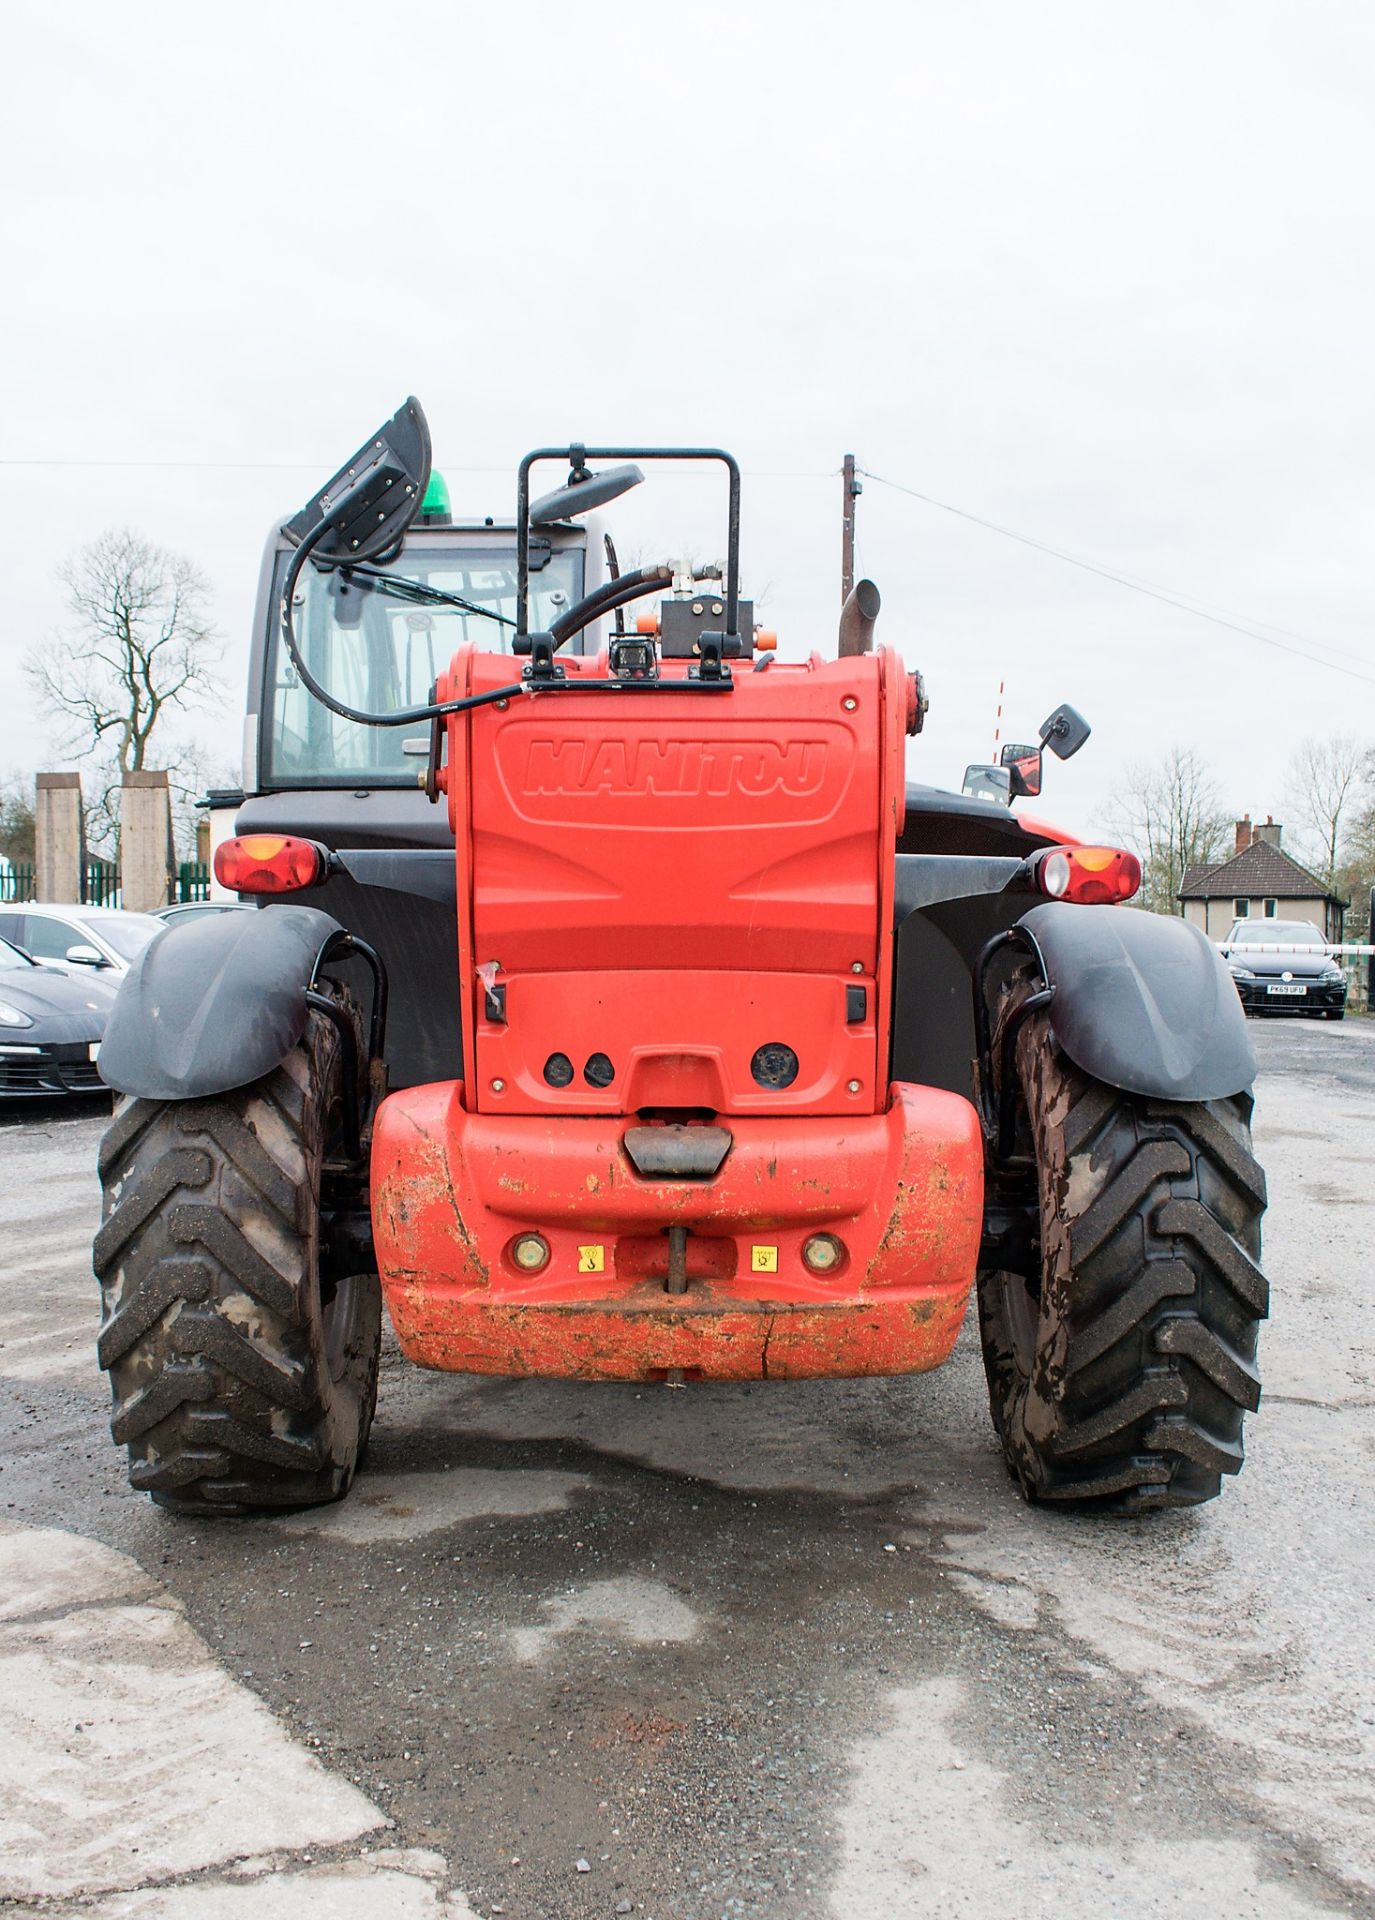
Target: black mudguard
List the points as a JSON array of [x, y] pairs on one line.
[[1142, 1002], [214, 1003]]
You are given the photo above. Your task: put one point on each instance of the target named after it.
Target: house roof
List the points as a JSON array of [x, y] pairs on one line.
[[1261, 871]]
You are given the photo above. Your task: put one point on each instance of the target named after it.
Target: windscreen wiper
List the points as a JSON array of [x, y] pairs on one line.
[[419, 593]]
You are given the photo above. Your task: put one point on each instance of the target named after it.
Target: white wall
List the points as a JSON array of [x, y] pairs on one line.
[[1216, 916], [221, 829]]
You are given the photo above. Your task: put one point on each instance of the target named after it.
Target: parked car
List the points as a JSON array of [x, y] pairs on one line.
[[1301, 977], [198, 909], [51, 1026], [88, 937]]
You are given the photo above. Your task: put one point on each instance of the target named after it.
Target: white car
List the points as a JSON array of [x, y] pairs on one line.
[[96, 937]]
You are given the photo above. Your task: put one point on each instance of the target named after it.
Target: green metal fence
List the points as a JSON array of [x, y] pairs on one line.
[[16, 880], [100, 882]]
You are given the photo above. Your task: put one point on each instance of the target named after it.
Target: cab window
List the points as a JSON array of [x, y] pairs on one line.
[[377, 645]]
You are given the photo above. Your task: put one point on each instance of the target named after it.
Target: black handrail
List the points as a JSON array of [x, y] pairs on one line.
[[576, 455]]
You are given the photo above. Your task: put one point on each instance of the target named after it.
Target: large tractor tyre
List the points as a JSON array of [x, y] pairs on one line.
[[243, 1371], [1120, 1374]]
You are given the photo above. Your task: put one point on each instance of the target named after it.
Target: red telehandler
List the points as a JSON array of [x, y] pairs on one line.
[[632, 1017]]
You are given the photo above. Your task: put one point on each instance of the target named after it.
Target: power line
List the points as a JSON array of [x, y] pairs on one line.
[[1125, 580], [1197, 608], [319, 466], [219, 466]]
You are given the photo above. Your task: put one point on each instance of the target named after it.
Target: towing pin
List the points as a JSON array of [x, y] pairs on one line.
[[677, 1260]]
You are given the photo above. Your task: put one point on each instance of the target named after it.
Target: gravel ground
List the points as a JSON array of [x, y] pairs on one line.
[[775, 1652]]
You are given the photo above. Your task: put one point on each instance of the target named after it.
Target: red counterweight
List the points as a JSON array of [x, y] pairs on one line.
[[675, 880], [675, 908]]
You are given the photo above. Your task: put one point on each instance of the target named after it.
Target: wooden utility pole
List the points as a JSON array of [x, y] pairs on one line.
[[851, 488]]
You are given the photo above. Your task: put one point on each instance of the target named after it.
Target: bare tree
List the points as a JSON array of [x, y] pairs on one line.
[[1169, 813], [1324, 788], [1356, 871], [140, 649], [16, 819]]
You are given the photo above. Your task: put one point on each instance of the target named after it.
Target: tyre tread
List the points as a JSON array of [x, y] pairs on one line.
[[221, 1388], [1150, 1293]]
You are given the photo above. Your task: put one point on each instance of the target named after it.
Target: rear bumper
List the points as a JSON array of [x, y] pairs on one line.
[[902, 1191]]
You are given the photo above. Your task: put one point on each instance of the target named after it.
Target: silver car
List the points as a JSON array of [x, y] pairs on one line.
[[73, 936]]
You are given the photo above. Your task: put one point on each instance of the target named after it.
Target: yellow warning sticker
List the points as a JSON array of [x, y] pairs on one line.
[[591, 1259], [763, 1259]]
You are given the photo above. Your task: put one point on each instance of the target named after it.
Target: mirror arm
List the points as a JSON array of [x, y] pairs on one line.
[[627, 453], [1065, 732]]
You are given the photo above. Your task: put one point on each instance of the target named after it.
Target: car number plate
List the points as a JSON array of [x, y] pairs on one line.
[[93, 1050], [1286, 989]]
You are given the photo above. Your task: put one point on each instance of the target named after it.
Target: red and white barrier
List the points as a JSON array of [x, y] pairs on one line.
[[1257, 946]]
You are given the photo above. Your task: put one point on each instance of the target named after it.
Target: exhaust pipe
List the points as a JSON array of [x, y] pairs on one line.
[[857, 618]]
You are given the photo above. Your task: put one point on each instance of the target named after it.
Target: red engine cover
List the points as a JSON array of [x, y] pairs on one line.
[[674, 880]]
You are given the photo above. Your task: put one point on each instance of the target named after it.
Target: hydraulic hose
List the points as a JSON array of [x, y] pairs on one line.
[[612, 594], [613, 567], [607, 597]]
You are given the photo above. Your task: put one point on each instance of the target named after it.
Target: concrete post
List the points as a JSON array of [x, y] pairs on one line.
[[59, 837], [145, 841]]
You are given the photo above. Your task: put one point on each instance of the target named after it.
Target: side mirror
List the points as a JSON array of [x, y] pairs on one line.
[[584, 491], [1065, 732], [1024, 767], [84, 956], [993, 784], [374, 496]]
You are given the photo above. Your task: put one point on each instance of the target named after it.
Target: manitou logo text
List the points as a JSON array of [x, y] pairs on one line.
[[682, 769]]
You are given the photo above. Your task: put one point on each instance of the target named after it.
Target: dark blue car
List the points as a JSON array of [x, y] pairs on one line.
[[1285, 966]]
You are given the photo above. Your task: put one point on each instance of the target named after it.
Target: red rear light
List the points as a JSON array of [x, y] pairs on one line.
[[1090, 876], [269, 863]]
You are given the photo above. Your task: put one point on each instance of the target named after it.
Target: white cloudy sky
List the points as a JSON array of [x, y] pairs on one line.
[[1100, 273]]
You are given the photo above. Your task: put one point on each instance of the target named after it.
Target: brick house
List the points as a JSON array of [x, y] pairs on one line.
[[1259, 881]]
